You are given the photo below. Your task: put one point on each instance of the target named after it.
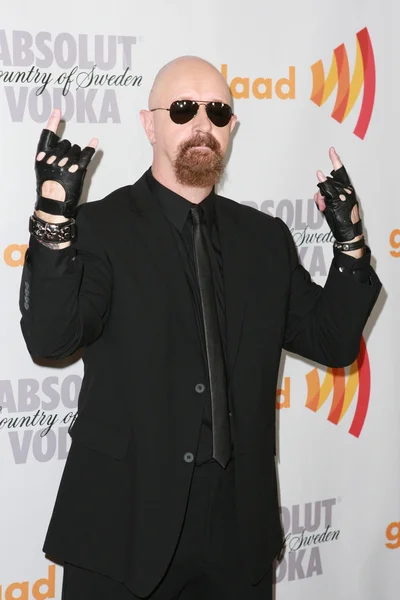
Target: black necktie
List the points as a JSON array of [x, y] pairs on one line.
[[215, 359]]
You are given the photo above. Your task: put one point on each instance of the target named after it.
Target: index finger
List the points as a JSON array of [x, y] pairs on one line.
[[54, 121], [336, 162]]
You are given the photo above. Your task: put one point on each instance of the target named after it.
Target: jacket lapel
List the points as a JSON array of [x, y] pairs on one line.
[[238, 263], [161, 253]]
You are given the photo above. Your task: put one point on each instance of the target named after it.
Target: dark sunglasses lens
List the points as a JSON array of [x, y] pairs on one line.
[[219, 113], [182, 111]]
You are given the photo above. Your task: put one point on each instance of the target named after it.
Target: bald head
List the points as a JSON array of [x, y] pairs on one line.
[[188, 77]]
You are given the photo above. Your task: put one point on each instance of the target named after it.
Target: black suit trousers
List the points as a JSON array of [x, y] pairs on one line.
[[207, 563]]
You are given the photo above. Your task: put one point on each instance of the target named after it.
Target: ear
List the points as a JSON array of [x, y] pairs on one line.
[[232, 123], [146, 116]]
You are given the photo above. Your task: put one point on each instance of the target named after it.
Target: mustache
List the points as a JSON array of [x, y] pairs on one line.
[[204, 139]]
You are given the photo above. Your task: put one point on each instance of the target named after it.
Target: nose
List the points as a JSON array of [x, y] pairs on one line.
[[201, 122]]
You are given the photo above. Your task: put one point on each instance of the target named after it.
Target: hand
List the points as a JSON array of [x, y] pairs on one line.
[[339, 204], [60, 169]]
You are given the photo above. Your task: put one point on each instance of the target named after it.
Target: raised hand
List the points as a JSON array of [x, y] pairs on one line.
[[337, 200], [60, 170]]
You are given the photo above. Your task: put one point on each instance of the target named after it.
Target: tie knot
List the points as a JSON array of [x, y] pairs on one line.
[[197, 215]]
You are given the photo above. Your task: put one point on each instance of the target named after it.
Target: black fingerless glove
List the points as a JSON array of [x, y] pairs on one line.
[[337, 211], [72, 183]]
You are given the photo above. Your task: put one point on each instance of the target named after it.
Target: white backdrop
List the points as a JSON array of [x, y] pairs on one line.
[[339, 443]]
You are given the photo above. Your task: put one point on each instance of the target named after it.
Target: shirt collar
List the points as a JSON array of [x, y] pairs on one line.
[[175, 207]]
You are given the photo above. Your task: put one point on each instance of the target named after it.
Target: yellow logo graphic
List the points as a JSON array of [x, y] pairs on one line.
[[364, 76], [342, 388], [343, 391], [348, 87]]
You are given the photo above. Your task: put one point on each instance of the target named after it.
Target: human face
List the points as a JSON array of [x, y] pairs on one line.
[[190, 151]]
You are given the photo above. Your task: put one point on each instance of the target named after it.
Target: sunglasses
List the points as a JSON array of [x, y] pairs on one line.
[[183, 111]]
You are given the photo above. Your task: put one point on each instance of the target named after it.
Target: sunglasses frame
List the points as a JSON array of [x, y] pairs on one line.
[[198, 103]]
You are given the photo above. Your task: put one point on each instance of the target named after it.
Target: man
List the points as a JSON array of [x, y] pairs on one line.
[[182, 301]]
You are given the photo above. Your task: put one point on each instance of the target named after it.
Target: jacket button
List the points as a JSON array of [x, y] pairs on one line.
[[188, 457], [200, 387], [26, 305]]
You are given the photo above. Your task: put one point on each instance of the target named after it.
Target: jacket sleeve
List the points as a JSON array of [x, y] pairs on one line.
[[65, 294], [325, 324]]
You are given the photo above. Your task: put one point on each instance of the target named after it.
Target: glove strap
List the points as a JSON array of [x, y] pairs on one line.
[[346, 247], [53, 207]]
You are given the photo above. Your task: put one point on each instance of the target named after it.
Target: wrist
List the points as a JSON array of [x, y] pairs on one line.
[[355, 253], [358, 252], [356, 239], [50, 218], [54, 245]]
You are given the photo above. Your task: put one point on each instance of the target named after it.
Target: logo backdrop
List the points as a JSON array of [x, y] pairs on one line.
[[304, 76]]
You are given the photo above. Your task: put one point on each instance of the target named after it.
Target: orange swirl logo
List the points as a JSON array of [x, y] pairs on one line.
[[348, 91], [343, 391]]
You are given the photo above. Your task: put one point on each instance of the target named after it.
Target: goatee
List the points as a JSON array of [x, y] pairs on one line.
[[198, 167]]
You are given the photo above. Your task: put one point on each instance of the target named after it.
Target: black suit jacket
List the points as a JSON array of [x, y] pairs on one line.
[[121, 293]]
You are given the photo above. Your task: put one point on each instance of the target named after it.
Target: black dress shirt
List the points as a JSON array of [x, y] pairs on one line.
[[177, 211]]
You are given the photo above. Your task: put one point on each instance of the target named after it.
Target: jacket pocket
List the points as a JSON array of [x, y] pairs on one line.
[[101, 437]]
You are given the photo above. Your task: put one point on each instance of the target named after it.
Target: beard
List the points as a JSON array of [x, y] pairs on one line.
[[199, 168]]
